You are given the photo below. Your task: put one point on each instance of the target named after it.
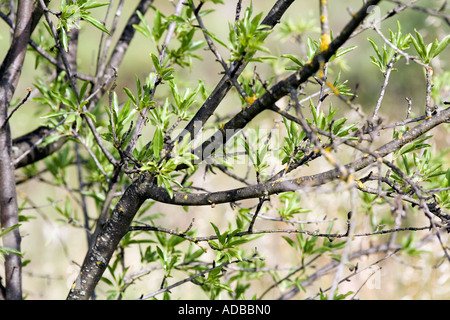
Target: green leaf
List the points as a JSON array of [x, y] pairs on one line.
[[7, 251], [145, 30], [161, 255], [167, 74], [53, 114], [158, 29], [290, 242], [406, 164], [96, 23], [168, 187], [294, 59], [215, 38], [2, 233], [126, 113], [130, 95], [420, 42], [83, 89], [64, 39], [343, 51], [312, 48], [157, 143], [90, 115], [216, 230], [139, 89], [442, 45], [107, 281], [237, 255], [431, 48], [420, 46]]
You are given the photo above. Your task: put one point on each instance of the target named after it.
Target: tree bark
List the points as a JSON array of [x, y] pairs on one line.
[[10, 71]]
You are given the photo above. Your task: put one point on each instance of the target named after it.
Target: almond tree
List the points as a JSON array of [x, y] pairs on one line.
[[164, 140]]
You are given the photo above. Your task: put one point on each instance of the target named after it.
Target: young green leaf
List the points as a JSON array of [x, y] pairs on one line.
[[157, 142], [96, 23], [442, 45]]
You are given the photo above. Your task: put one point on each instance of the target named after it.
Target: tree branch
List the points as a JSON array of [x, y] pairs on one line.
[[144, 186], [27, 143], [10, 71], [220, 91], [275, 93]]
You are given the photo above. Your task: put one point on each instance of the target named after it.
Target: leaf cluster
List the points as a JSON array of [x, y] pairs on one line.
[[247, 36], [72, 13]]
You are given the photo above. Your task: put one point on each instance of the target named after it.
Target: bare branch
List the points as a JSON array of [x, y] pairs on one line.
[[10, 71]]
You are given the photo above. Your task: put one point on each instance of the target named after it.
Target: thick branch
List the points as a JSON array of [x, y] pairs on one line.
[[281, 89], [27, 143], [302, 183], [144, 187], [106, 242], [10, 71], [224, 85]]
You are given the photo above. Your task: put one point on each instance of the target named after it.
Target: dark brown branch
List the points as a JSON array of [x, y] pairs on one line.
[[27, 143], [106, 242], [279, 90], [302, 183], [10, 71], [121, 47], [144, 186], [224, 85], [27, 148]]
